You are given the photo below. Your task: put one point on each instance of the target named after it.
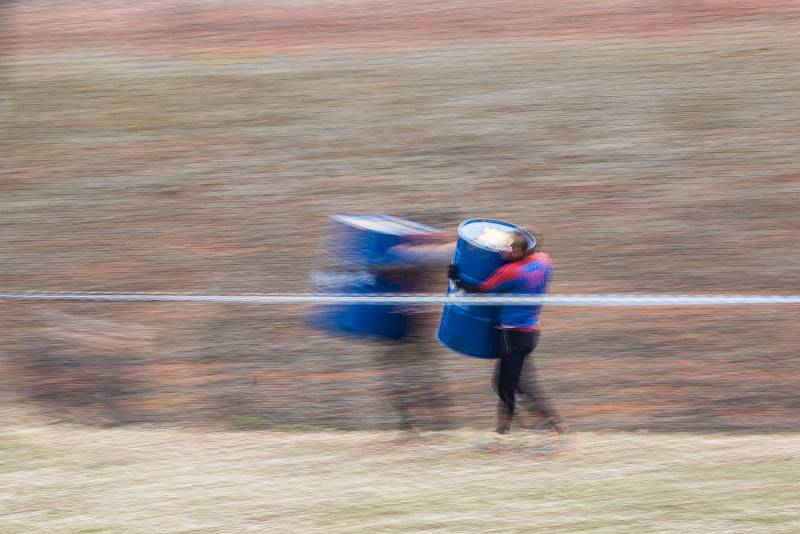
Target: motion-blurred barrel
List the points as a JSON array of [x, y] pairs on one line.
[[360, 248], [360, 320], [367, 239]]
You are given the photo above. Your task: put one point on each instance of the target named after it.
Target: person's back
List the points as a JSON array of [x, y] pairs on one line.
[[527, 276]]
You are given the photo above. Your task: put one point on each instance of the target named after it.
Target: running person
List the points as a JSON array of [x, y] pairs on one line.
[[527, 273], [412, 378]]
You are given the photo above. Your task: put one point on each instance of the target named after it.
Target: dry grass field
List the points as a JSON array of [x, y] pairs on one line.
[[176, 146], [199, 146], [73, 479]]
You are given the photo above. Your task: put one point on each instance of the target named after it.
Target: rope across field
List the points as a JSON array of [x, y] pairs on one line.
[[578, 300]]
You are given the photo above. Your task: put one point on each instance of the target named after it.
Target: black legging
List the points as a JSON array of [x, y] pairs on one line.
[[515, 373]]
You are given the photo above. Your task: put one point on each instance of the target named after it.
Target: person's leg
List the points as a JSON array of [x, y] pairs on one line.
[[504, 411], [392, 361], [515, 347], [427, 390], [534, 397], [415, 382], [503, 417]]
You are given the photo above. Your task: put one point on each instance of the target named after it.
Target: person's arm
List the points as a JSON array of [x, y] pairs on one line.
[[460, 283], [500, 281], [434, 237], [423, 254]]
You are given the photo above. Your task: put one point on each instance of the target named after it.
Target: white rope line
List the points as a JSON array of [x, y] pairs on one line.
[[578, 300]]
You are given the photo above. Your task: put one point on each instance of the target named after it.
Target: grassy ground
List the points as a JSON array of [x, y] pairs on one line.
[[198, 146], [68, 479], [178, 147]]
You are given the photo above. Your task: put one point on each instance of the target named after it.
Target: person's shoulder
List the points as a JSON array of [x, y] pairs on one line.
[[507, 271], [507, 268], [542, 258]]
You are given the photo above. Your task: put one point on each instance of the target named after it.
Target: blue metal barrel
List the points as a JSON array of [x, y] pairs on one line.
[[358, 244], [366, 240], [469, 333], [380, 321], [472, 330]]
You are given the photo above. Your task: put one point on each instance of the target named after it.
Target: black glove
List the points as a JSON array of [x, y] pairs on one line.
[[455, 278], [452, 274]]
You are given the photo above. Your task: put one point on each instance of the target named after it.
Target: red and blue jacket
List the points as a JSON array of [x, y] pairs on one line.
[[528, 276]]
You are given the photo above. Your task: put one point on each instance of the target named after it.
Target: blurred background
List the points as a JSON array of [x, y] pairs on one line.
[[199, 147]]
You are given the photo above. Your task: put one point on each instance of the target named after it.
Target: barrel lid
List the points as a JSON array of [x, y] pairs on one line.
[[384, 224], [490, 234]]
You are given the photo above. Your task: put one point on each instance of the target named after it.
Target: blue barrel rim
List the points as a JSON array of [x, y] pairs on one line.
[[413, 227], [531, 237]]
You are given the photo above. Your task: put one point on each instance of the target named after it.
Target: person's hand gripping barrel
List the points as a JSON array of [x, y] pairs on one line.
[[458, 282]]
